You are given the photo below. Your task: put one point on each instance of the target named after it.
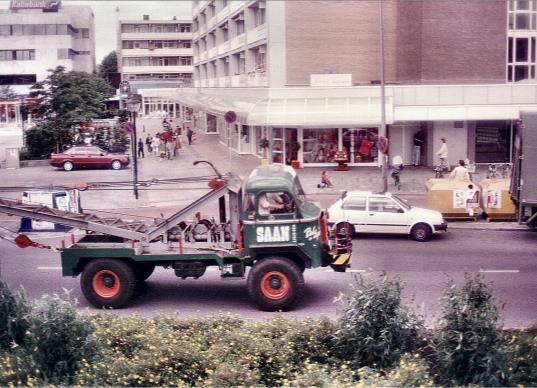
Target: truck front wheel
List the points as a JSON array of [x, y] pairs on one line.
[[108, 283], [275, 283]]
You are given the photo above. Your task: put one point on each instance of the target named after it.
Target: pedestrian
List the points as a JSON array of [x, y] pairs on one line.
[[148, 141], [161, 150], [141, 148], [443, 155], [177, 146], [419, 140], [460, 173], [325, 181], [154, 145], [189, 134], [169, 149]]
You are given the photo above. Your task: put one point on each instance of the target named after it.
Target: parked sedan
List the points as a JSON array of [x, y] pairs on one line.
[[88, 157], [369, 212]]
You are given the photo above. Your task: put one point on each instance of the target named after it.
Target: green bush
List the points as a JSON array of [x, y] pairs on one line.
[[320, 375], [412, 371], [522, 360], [14, 311], [468, 338], [374, 328]]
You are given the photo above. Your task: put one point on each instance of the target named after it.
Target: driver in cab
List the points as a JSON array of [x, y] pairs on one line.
[[273, 203]]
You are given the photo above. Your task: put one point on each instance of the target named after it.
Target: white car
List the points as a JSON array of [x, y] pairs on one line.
[[369, 212]]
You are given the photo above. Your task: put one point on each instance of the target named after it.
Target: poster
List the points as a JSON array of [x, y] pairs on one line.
[[494, 199]]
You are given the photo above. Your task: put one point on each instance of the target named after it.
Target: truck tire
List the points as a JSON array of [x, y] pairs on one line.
[[108, 283], [143, 271], [343, 227], [421, 232], [275, 283]]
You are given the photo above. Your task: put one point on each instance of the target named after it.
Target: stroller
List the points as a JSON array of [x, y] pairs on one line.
[[395, 172]]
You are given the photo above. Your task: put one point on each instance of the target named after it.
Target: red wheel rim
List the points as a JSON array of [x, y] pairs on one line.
[[275, 285], [106, 283]]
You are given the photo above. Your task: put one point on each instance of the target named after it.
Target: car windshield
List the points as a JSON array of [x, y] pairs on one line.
[[401, 202]]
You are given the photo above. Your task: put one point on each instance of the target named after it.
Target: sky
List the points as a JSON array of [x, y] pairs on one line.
[[106, 17]]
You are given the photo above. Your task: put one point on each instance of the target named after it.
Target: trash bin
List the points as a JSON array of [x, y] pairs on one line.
[[61, 199], [454, 199], [496, 200]]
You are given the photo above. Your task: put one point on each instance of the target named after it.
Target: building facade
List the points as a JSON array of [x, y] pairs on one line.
[[39, 35], [305, 75]]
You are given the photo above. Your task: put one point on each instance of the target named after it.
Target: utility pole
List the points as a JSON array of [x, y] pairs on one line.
[[382, 132]]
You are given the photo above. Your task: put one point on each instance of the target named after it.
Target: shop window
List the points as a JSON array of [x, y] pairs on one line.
[[492, 141], [319, 145], [360, 144]]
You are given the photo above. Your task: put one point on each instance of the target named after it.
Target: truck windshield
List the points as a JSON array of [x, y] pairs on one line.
[[299, 194]]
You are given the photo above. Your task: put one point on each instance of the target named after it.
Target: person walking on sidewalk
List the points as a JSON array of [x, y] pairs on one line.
[[148, 141], [443, 155], [189, 134], [141, 148], [460, 173], [169, 149], [154, 145]]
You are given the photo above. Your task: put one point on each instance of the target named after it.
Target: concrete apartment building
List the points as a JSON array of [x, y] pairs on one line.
[[37, 35], [156, 54], [306, 74]]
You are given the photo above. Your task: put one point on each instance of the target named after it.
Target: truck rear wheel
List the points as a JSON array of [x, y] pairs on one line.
[[108, 283], [275, 283]]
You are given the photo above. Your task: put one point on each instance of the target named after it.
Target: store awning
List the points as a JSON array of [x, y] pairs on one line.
[[312, 112]]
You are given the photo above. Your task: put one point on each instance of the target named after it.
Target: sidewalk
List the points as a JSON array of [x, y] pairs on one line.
[[208, 147]]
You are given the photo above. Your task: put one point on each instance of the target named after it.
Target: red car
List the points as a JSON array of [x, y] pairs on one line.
[[88, 157]]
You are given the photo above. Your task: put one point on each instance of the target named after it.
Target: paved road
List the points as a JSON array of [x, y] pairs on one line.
[[507, 258]]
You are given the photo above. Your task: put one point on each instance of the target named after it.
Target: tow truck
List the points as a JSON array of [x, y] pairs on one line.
[[113, 255]]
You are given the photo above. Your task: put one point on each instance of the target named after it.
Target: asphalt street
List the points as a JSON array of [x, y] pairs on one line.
[[508, 259]]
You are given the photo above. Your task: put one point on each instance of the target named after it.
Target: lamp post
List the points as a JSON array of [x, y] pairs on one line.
[[134, 102], [382, 132]]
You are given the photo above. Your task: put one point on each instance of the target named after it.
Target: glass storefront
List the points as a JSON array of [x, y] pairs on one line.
[[319, 145], [211, 123], [360, 144]]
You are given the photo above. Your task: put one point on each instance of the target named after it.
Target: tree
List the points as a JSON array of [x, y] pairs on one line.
[[63, 100], [7, 94], [108, 65]]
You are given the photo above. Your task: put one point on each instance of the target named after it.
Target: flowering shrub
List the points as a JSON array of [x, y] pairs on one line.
[[374, 328], [13, 317], [468, 339], [522, 361], [412, 371]]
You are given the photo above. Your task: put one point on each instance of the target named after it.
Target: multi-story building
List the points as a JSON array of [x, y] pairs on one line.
[[306, 75], [156, 54], [37, 35]]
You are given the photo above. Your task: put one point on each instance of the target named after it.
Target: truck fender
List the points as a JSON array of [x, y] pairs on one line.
[[294, 253]]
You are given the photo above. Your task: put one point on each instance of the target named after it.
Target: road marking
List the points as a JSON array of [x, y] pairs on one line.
[[50, 268], [349, 270], [498, 270]]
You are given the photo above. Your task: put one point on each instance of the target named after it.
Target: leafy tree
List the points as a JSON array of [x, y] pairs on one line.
[[108, 65], [7, 94], [63, 100]]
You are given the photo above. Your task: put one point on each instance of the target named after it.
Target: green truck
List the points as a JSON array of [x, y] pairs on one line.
[[265, 223]]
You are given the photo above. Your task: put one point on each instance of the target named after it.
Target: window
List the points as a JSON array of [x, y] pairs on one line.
[[354, 203], [383, 205], [259, 14], [18, 79], [16, 30], [522, 33], [522, 49], [17, 55], [85, 33], [185, 28], [239, 24], [6, 55]]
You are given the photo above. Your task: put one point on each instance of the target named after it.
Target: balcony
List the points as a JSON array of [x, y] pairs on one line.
[[257, 33], [211, 23], [223, 14], [235, 5], [184, 52], [239, 81], [257, 79], [212, 52], [224, 48], [237, 42], [156, 35], [156, 69]]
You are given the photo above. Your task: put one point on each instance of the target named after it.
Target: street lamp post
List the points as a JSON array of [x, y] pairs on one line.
[[382, 132], [134, 102]]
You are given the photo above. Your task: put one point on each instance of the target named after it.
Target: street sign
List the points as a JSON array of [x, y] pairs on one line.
[[230, 116]]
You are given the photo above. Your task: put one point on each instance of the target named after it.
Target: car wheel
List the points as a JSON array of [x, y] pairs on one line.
[[421, 232], [108, 283], [275, 283], [116, 165], [68, 166]]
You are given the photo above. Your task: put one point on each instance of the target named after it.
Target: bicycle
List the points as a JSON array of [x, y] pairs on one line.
[[439, 170]]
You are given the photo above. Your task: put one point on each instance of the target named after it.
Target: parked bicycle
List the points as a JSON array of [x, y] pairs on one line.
[[440, 169]]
